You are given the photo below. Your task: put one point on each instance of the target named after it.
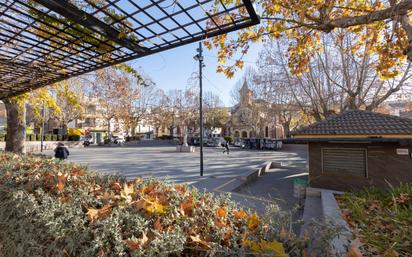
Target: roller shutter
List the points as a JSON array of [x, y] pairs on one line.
[[344, 161]]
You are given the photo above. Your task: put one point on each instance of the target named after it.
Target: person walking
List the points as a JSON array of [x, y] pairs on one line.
[[61, 152], [226, 145]]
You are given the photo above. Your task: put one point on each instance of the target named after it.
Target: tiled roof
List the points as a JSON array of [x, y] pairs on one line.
[[357, 122]]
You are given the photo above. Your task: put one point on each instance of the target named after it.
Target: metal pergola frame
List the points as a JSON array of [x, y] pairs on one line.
[[46, 41]]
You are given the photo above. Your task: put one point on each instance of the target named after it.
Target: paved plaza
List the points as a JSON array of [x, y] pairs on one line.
[[165, 162]]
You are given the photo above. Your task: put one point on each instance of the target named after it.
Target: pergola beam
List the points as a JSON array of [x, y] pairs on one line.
[[68, 10], [53, 40]]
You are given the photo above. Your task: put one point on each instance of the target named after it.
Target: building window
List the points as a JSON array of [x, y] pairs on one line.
[[344, 161], [236, 133], [244, 134], [266, 131]]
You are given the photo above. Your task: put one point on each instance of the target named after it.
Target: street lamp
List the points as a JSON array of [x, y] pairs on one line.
[[199, 57]]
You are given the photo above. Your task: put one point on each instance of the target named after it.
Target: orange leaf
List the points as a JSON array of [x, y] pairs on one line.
[[221, 213], [61, 181], [92, 214], [354, 249], [157, 225], [239, 214], [219, 224], [186, 207], [180, 188]]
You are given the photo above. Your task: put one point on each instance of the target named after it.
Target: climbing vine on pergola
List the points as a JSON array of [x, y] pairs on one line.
[[46, 41]]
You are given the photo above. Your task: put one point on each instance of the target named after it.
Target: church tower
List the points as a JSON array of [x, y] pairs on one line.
[[245, 95]]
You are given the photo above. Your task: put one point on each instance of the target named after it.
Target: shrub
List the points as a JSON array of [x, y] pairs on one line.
[[2, 137], [133, 138], [50, 208], [73, 138], [47, 137], [229, 139], [165, 137]]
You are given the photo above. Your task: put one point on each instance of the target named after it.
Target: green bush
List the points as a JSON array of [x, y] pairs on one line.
[[229, 139], [133, 138], [2, 137], [51, 208], [73, 138]]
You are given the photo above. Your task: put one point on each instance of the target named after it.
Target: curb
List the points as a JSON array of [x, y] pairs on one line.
[[329, 212], [236, 184]]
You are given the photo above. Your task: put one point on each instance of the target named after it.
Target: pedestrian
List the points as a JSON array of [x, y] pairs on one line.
[[61, 152], [226, 145]]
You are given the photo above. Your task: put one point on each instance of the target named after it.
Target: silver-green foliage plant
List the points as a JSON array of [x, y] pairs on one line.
[[50, 208]]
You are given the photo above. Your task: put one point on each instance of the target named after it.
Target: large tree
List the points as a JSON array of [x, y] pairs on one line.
[[337, 79], [69, 97], [139, 104], [384, 25], [113, 88]]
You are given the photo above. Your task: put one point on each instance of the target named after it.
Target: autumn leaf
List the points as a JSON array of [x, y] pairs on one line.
[[239, 214], [94, 214], [274, 247], [127, 191], [116, 186], [76, 172], [253, 221], [139, 205], [135, 244], [354, 250], [157, 225], [153, 207], [221, 213], [61, 180], [181, 188], [186, 207], [219, 224], [196, 239]]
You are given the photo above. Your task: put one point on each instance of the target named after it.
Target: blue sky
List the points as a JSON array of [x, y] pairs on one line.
[[172, 69]]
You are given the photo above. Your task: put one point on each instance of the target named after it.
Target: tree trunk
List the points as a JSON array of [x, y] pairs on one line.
[[16, 125], [286, 128], [108, 129], [64, 128]]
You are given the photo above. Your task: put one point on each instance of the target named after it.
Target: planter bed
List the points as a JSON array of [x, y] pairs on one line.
[[50, 208], [380, 220]]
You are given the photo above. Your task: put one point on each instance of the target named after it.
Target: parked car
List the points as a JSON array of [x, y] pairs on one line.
[[119, 140], [239, 143]]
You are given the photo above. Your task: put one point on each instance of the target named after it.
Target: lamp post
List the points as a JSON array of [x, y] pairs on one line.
[[199, 57]]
